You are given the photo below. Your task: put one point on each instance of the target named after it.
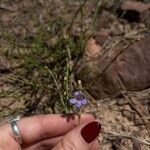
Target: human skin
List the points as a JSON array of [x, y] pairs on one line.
[[47, 132]]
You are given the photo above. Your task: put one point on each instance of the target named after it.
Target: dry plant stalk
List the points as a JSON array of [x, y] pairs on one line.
[[128, 137], [140, 110]]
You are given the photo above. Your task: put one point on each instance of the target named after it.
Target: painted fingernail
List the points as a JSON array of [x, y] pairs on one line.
[[91, 131]]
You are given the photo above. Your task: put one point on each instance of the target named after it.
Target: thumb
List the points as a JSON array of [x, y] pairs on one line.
[[80, 138]]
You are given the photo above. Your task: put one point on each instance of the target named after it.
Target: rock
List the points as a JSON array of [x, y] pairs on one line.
[[134, 11], [5, 65], [17, 16], [117, 28], [92, 49], [137, 6], [145, 18], [131, 65], [128, 112], [137, 120], [94, 44], [121, 102], [102, 36], [105, 20]]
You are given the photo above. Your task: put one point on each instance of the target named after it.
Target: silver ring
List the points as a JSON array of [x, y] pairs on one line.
[[15, 129]]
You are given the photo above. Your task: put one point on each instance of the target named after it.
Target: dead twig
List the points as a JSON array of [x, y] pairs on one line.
[[134, 104], [143, 141], [6, 9]]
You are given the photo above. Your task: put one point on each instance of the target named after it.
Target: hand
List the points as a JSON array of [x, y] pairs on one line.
[[54, 132]]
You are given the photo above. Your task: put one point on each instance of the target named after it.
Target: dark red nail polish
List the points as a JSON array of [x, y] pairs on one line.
[[91, 131]]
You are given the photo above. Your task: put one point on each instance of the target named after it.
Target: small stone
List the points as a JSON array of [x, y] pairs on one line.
[[5, 65], [136, 6], [92, 49], [102, 36], [94, 45], [137, 120], [117, 29], [121, 102], [128, 114]]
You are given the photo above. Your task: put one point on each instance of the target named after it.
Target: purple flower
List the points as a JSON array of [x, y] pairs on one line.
[[78, 100]]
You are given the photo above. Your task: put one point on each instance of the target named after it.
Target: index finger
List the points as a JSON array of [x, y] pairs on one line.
[[37, 128]]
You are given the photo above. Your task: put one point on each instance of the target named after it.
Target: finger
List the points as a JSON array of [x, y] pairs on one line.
[[50, 143], [46, 144], [41, 127], [95, 145], [81, 137]]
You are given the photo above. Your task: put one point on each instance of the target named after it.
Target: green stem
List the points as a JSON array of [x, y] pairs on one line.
[[57, 86]]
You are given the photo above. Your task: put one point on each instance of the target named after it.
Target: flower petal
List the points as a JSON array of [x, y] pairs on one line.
[[72, 101], [84, 102], [78, 104], [79, 93]]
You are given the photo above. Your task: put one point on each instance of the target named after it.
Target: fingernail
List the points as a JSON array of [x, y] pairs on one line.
[[91, 131]]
